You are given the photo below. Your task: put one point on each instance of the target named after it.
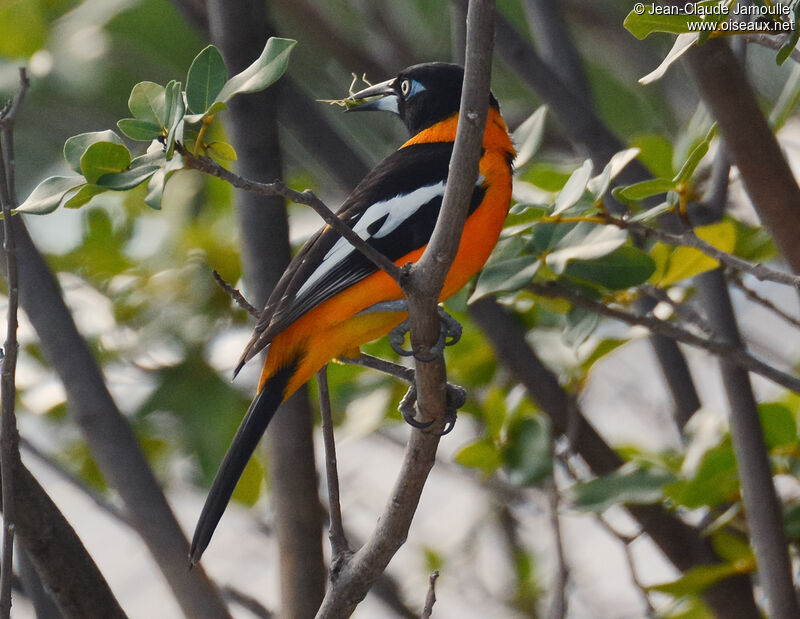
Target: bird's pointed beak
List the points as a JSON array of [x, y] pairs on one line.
[[381, 96]]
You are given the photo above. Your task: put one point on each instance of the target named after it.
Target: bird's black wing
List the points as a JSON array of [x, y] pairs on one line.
[[394, 209]]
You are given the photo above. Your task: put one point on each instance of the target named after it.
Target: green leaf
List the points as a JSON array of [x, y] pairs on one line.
[[155, 190], [791, 521], [48, 194], [528, 136], [205, 79], [698, 579], [644, 189], [624, 267], [505, 276], [148, 102], [104, 158], [482, 455], [644, 24], [731, 547], [76, 146], [625, 486], [140, 130], [715, 482], [695, 157], [580, 324], [682, 44], [685, 262], [574, 188], [600, 183], [83, 196], [586, 241], [122, 181], [526, 453], [221, 151], [175, 117], [263, 72], [601, 350], [788, 47], [778, 425]]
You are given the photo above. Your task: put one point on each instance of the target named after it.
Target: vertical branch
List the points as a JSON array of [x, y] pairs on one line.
[[239, 28], [9, 439], [337, 536]]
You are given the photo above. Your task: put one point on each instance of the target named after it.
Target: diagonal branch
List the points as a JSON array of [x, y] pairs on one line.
[[730, 351], [307, 197]]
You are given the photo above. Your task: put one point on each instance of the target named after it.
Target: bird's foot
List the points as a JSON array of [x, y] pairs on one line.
[[449, 333], [456, 396]]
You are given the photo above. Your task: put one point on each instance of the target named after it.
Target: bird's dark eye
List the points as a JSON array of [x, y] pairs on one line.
[[405, 87]]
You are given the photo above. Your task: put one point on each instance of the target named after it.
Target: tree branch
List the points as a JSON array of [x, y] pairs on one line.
[[307, 197], [736, 354], [9, 438], [353, 580], [339, 544], [240, 28]]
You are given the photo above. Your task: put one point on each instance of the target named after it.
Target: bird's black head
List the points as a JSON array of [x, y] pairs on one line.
[[421, 95]]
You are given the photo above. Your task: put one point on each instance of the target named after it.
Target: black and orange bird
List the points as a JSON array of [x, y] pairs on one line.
[[331, 299]]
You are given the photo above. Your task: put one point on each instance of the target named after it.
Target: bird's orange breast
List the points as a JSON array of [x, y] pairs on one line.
[[336, 328]]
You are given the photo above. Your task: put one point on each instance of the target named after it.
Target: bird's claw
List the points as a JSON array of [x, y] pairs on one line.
[[456, 397], [449, 333]]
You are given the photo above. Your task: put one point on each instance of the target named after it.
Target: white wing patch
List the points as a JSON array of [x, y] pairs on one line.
[[396, 210]]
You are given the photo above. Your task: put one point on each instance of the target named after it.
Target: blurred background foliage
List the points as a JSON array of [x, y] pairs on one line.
[[139, 281]]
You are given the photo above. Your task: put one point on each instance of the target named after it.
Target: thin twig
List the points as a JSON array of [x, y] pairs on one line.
[[560, 598], [690, 239], [772, 42], [247, 602], [236, 295], [381, 365], [307, 197], [624, 540], [430, 599], [734, 354], [98, 499], [682, 310], [736, 279], [339, 545], [9, 438]]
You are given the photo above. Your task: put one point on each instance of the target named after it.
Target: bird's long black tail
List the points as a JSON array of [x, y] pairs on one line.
[[250, 431]]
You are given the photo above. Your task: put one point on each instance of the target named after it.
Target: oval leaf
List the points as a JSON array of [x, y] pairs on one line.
[[205, 79], [600, 183], [585, 242], [528, 136], [76, 146], [148, 102], [481, 455], [48, 194], [263, 72], [526, 455], [644, 189], [505, 276], [104, 158], [640, 486], [574, 188], [129, 179], [624, 267], [83, 196], [140, 130]]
